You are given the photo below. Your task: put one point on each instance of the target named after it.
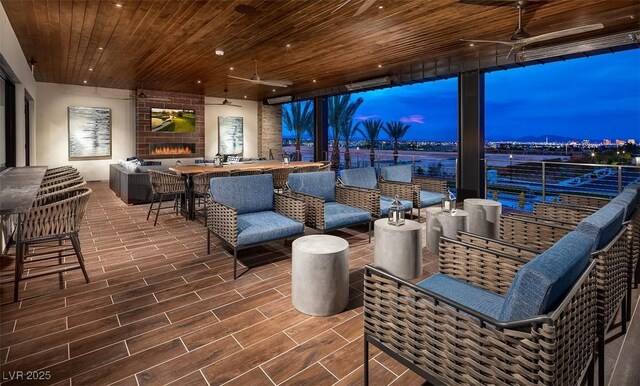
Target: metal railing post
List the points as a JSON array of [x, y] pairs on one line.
[[619, 178], [544, 181]]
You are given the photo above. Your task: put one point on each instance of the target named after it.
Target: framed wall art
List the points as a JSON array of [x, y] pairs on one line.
[[89, 133], [230, 135]]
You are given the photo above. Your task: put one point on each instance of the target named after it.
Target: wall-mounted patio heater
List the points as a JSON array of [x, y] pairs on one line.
[[370, 83]]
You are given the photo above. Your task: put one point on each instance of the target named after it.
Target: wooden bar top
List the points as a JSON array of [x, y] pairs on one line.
[[19, 187], [196, 169]]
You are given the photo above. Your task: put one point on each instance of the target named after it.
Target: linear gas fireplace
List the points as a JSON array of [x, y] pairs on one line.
[[161, 149]]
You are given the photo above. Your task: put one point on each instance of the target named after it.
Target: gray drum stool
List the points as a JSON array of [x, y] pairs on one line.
[[484, 217], [398, 249], [445, 224], [320, 274]]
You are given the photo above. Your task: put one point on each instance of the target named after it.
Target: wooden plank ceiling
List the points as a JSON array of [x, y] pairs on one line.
[[169, 45]]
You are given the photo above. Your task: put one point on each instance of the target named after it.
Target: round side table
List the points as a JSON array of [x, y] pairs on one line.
[[398, 249], [484, 217], [445, 224], [320, 274]]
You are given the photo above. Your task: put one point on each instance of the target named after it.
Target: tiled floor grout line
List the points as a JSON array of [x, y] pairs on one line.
[[624, 339]]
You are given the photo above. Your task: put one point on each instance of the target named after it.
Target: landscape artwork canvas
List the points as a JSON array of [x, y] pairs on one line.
[[230, 135], [173, 120], [89, 133]]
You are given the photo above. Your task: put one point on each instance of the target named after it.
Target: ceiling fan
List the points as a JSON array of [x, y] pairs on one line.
[[255, 79], [225, 102], [142, 95], [521, 38], [96, 94], [365, 5]]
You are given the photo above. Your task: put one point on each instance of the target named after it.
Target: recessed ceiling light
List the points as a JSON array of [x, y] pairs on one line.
[[288, 45], [379, 65], [84, 81], [91, 69], [380, 6], [100, 48], [219, 51], [118, 5], [471, 44], [274, 90], [199, 82], [245, 97], [230, 68], [314, 81]]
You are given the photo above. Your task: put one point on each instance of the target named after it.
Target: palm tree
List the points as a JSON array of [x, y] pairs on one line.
[[299, 119], [395, 131], [370, 133], [341, 111], [348, 130]]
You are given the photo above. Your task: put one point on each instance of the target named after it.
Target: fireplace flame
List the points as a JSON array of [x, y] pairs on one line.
[[171, 150]]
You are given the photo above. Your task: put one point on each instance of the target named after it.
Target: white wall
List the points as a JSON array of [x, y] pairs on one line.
[[52, 147], [249, 114]]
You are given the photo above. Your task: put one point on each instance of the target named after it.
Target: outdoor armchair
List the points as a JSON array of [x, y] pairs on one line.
[[244, 211], [365, 178], [330, 206], [426, 191], [533, 323]]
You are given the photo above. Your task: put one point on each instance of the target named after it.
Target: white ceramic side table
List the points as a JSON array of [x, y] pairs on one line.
[[445, 224], [398, 249], [484, 217], [320, 274]]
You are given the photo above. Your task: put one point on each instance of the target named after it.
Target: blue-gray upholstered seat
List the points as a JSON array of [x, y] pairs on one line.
[[403, 173], [629, 200], [366, 178], [537, 288], [323, 185], [603, 225], [253, 199]]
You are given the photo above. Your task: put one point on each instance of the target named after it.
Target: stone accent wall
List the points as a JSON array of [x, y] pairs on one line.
[[269, 130], [144, 135]]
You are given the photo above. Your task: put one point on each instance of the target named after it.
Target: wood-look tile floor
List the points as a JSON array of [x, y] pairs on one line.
[[160, 310]]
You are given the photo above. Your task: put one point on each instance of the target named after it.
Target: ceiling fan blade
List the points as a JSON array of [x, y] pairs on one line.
[[340, 6], [561, 33], [274, 83], [245, 79], [505, 42], [365, 5]]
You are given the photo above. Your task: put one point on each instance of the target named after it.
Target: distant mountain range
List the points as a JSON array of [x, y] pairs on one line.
[[540, 138]]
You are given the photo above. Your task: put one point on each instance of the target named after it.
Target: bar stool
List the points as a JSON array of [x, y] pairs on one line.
[[280, 176], [246, 172], [53, 217], [202, 183], [164, 183], [306, 169]]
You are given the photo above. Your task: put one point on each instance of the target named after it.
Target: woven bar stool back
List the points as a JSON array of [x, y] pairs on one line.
[[306, 169], [246, 172], [61, 169], [66, 185], [164, 183], [280, 176], [201, 181], [57, 179], [326, 166], [57, 217]]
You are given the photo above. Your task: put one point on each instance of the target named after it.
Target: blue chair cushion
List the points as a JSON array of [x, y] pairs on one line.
[[428, 198], [319, 184], [466, 294], [603, 225], [635, 187], [385, 203], [360, 177], [246, 194], [338, 215], [628, 199], [398, 173], [259, 227], [541, 284]]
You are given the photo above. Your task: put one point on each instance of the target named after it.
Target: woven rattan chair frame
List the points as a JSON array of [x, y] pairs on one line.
[[222, 221], [447, 343], [164, 183], [325, 167], [58, 169], [202, 184], [58, 217], [365, 199], [542, 220], [59, 179], [62, 186], [562, 212], [60, 174], [612, 268], [246, 172], [306, 169], [572, 199], [371, 194], [280, 176], [417, 184]]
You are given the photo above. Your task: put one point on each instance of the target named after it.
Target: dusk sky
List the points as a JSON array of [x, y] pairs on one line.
[[589, 98]]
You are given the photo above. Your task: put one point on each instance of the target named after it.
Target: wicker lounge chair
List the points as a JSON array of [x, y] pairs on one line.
[[572, 199], [330, 206], [426, 191], [56, 217], [562, 212], [244, 212], [457, 327], [365, 178]]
